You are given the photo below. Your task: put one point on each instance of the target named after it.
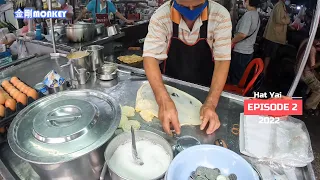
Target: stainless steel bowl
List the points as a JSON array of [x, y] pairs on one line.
[[108, 68], [80, 32], [107, 72], [125, 137], [107, 77]]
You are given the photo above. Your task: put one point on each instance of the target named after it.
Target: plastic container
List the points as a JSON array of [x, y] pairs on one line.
[[5, 58], [38, 32]]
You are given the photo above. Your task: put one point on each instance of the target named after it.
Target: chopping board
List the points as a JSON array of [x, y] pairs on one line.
[[188, 107]]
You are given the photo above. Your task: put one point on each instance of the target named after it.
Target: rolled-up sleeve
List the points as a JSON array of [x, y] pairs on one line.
[[222, 37], [156, 42]]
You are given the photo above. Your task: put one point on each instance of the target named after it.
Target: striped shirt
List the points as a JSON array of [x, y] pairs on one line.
[[160, 31]]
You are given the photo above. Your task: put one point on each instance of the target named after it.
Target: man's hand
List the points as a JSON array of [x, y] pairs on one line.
[[208, 114], [129, 21], [168, 116]]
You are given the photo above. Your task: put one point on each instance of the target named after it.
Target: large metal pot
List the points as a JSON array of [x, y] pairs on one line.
[[63, 135], [96, 57], [78, 60], [125, 137], [80, 32]]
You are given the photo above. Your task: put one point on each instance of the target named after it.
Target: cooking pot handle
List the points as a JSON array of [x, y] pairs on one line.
[[104, 171], [64, 65], [59, 120]]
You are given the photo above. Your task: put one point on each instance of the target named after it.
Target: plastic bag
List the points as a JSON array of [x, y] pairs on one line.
[[273, 171], [293, 145], [286, 143]]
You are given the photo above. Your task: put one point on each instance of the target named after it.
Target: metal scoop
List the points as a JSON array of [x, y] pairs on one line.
[[135, 156]]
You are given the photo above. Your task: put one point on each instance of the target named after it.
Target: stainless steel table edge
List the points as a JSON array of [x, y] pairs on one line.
[[16, 62], [4, 73], [4, 172]]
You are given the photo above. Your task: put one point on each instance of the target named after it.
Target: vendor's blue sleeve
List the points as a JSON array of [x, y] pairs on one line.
[[90, 6], [111, 7]]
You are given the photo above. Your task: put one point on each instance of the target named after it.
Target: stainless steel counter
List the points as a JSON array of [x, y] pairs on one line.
[[64, 44], [124, 90]]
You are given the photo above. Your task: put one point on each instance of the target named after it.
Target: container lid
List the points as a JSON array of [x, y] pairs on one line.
[[64, 126]]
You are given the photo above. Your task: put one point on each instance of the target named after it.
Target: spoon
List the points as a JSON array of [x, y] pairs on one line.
[[134, 149]]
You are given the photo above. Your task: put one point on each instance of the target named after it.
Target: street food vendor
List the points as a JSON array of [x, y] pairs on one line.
[[101, 7], [192, 41]]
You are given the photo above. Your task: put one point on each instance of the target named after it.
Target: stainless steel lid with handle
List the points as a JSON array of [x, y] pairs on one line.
[[64, 126]]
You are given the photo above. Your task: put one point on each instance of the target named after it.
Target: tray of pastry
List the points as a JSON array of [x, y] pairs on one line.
[[14, 96], [132, 57]]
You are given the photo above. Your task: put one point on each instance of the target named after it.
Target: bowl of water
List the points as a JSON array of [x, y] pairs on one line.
[[210, 156]]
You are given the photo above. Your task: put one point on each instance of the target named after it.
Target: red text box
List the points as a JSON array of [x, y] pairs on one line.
[[273, 107]]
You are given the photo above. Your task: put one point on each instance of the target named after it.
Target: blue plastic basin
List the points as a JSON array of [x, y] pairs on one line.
[[210, 156]]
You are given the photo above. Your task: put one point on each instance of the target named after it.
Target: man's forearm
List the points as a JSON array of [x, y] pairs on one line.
[[238, 37], [154, 76], [120, 16], [219, 78], [83, 12]]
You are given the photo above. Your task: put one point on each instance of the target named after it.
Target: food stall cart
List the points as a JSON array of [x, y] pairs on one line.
[[123, 90]]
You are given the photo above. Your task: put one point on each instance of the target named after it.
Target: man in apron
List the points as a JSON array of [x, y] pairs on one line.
[[100, 10], [193, 39]]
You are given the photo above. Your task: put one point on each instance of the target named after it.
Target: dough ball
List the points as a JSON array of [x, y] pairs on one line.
[[123, 120], [128, 111], [127, 126], [146, 115]]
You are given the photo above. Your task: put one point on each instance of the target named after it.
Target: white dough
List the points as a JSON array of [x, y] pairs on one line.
[[123, 120], [127, 111], [146, 115], [187, 106], [126, 127], [155, 158]]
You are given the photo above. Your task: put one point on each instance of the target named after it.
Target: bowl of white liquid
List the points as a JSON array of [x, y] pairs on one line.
[[155, 152]]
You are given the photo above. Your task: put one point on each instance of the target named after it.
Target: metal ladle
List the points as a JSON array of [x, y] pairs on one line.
[[135, 156]]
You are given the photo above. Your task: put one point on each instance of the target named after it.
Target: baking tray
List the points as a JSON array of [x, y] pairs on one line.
[[9, 114]]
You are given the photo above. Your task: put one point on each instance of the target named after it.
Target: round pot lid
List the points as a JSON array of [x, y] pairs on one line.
[[64, 126]]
